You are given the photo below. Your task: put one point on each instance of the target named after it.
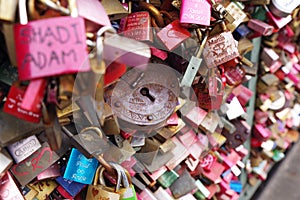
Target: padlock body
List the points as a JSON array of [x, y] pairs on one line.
[[137, 26], [13, 106], [219, 49], [51, 47], [195, 12]]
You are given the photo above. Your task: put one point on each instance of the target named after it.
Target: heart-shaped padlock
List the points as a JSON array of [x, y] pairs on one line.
[[145, 97]]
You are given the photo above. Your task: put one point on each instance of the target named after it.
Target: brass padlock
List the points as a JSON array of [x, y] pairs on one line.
[[114, 9]]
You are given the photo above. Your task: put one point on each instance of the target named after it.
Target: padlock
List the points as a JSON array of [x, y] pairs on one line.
[[160, 193], [128, 190], [28, 192], [278, 23], [132, 52], [260, 27], [101, 191], [207, 101], [241, 32], [29, 168], [84, 169], [195, 12], [23, 148], [235, 10], [30, 102], [14, 102], [6, 162], [220, 12], [245, 46], [32, 59], [20, 130], [234, 76], [114, 9], [148, 152], [71, 187], [172, 35], [215, 173], [44, 188], [220, 48], [261, 133], [196, 116], [167, 178], [8, 188], [281, 9], [184, 178], [51, 172], [94, 14], [235, 109], [136, 91], [239, 136], [137, 26], [180, 153]]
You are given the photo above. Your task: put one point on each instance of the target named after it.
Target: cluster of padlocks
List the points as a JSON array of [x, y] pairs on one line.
[[148, 100]]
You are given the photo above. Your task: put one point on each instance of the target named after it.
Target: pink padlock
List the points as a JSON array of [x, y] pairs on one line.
[[50, 47], [195, 12]]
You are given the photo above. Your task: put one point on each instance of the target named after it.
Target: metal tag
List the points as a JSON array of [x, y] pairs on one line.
[[24, 148]]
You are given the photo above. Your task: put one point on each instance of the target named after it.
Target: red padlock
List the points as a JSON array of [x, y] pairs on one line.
[[13, 105]]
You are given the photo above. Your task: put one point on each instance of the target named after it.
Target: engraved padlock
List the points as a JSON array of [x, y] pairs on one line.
[[13, 105], [197, 12], [39, 43], [220, 48], [145, 98], [137, 26]]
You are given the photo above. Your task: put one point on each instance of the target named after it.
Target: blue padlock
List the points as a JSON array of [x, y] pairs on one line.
[[80, 169]]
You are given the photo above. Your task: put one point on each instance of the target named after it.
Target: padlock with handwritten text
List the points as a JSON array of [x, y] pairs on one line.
[[40, 53]]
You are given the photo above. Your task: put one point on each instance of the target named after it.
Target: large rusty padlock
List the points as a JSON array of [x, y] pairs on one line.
[[145, 97]]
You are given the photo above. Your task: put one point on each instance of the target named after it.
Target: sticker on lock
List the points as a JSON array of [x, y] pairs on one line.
[[145, 99]]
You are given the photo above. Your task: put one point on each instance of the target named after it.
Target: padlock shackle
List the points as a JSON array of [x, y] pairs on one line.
[[155, 13], [23, 12]]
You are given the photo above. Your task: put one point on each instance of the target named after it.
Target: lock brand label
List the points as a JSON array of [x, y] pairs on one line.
[[51, 47], [195, 12], [24, 148], [220, 49]]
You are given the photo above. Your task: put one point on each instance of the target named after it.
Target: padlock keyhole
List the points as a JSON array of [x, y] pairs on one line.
[[145, 92]]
